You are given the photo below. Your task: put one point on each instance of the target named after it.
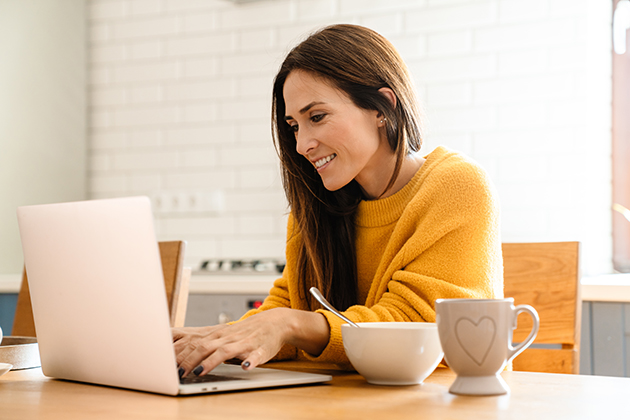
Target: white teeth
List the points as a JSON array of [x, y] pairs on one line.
[[325, 160]]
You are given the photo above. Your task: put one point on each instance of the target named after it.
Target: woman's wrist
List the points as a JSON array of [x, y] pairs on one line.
[[308, 331]]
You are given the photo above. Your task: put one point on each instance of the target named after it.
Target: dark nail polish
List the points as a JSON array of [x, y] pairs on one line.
[[246, 364], [198, 370], [181, 372]]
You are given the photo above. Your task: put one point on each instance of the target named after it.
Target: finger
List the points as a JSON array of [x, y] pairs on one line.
[[182, 354], [177, 334], [207, 353], [190, 339], [181, 342], [220, 355], [254, 359], [184, 347], [186, 344]]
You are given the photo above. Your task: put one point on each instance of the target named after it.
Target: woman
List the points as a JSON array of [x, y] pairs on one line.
[[380, 231]]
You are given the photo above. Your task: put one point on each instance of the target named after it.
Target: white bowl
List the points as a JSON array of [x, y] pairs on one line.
[[393, 353], [5, 367]]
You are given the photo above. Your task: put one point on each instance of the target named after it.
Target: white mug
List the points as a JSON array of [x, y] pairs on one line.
[[476, 337]]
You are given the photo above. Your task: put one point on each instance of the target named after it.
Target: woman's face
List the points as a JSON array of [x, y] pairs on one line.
[[342, 141]]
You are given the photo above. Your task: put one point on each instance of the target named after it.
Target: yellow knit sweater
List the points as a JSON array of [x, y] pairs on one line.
[[438, 237]]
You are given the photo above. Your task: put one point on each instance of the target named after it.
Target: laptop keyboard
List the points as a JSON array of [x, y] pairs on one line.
[[192, 379]]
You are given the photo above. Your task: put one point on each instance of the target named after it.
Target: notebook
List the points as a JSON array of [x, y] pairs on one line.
[[99, 302]]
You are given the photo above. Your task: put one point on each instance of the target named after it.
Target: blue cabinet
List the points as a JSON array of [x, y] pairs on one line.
[[605, 342], [8, 303]]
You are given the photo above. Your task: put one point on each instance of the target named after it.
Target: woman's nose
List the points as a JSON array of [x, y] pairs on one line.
[[305, 142]]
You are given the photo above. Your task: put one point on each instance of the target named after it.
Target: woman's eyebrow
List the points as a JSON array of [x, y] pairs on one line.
[[305, 109]]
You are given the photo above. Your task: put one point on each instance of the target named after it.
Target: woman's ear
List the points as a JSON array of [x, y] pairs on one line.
[[389, 94]]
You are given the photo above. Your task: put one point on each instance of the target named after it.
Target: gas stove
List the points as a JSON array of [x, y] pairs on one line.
[[241, 267]]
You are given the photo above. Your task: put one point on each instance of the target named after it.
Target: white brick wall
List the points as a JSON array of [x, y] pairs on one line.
[[180, 103]]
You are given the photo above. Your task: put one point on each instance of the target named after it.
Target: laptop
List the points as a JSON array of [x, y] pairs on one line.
[[99, 302]]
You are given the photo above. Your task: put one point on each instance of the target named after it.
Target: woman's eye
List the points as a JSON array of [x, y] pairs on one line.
[[294, 128], [317, 118]]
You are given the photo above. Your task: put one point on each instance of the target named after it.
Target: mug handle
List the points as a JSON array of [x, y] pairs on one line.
[[515, 351]]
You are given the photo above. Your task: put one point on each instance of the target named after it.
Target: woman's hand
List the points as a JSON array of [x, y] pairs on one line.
[[254, 340]]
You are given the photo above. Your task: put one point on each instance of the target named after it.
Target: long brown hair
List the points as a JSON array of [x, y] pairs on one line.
[[359, 62]]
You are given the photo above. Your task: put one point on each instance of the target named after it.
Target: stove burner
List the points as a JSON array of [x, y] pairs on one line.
[[240, 266]]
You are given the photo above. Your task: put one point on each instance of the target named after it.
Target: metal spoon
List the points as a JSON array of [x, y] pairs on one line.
[[621, 209], [321, 299]]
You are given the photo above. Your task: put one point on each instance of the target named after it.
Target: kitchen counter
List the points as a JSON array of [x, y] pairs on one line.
[[606, 288], [603, 288], [10, 283], [232, 283], [199, 283]]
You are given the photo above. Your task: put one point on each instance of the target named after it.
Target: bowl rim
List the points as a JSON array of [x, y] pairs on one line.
[[393, 325], [473, 300]]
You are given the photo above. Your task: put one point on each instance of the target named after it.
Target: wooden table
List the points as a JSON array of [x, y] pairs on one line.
[[29, 395]]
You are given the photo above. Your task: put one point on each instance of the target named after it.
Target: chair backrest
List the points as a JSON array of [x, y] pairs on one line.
[[546, 276], [176, 280]]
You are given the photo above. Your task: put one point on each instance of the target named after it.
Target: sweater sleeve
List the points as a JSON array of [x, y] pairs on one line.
[[445, 245]]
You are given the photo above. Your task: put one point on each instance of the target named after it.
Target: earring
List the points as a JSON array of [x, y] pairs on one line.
[[383, 120]]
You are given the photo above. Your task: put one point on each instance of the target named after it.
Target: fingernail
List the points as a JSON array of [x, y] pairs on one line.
[[198, 370], [181, 372], [246, 364]]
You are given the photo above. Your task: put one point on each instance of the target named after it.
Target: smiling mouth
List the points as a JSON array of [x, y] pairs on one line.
[[321, 162]]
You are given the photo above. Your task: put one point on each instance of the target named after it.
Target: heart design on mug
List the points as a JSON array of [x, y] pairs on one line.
[[476, 338]]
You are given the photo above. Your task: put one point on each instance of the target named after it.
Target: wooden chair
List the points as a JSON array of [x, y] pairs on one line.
[[545, 276], [176, 281]]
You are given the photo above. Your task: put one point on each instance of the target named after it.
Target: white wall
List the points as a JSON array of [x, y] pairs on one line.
[[42, 111], [180, 108]]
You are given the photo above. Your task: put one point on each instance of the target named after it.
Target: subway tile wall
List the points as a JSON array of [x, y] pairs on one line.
[[180, 109]]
